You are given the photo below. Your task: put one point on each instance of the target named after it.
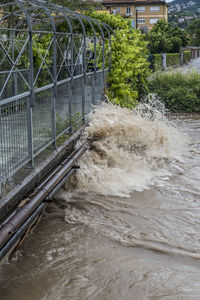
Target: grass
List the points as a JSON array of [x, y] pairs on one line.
[[179, 92]]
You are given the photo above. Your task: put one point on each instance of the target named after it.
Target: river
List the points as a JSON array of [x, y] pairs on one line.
[[128, 225]]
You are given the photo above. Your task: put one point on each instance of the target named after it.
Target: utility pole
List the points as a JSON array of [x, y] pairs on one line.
[[136, 18]]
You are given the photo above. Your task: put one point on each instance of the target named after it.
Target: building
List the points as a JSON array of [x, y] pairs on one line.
[[144, 13]]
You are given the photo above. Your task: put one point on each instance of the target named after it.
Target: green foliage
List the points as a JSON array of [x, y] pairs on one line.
[[40, 48], [165, 38], [184, 13], [63, 125], [194, 31], [115, 22], [157, 62], [176, 44], [158, 42], [180, 92], [173, 59], [130, 69], [186, 56], [77, 4]]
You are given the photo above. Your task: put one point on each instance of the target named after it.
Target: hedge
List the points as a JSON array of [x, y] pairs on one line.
[[157, 62], [173, 59], [186, 56], [179, 92]]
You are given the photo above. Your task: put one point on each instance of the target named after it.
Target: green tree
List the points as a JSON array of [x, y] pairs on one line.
[[194, 31], [130, 69], [165, 38], [77, 4]]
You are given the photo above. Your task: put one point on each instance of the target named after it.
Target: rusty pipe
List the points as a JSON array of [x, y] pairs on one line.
[[18, 234], [40, 195]]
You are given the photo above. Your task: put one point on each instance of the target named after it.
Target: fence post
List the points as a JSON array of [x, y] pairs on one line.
[[164, 60], [83, 91], [71, 83], [29, 110], [54, 93], [14, 72], [181, 58], [53, 118], [1, 143], [93, 89], [70, 105], [83, 82]]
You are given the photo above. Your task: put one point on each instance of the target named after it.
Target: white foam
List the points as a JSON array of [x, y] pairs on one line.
[[131, 149]]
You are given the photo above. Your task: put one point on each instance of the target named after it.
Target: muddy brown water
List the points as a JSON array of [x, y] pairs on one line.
[[102, 244]]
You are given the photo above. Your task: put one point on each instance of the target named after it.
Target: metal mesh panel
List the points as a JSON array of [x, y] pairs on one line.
[[42, 123], [13, 136], [77, 96], [88, 92], [100, 85], [62, 108], [49, 56]]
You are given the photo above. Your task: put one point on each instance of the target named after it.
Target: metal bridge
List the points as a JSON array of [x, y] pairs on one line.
[[53, 67]]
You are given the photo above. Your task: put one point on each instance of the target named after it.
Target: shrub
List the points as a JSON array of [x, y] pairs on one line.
[[186, 56], [180, 92], [165, 38], [194, 31], [157, 62], [173, 59], [130, 68], [176, 44]]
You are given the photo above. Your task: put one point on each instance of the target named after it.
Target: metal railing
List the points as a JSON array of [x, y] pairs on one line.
[[53, 67]]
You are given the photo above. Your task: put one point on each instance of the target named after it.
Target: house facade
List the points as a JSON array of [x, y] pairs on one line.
[[144, 13]]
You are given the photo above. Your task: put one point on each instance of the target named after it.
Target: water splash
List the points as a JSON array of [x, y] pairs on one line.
[[130, 149]]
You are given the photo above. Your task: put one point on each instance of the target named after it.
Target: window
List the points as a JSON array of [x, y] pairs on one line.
[[141, 21], [118, 9], [140, 8], [154, 8], [153, 21], [128, 10]]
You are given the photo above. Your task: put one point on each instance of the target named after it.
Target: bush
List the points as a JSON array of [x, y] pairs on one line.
[[179, 92], [194, 31], [176, 44], [173, 59], [186, 56], [165, 38], [157, 62], [130, 68]]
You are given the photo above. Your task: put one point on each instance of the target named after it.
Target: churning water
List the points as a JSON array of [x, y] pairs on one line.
[[131, 150], [127, 226]]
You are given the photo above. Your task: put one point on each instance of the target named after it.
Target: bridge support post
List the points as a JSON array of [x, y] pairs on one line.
[[83, 92], [70, 87], [53, 118], [163, 61], [93, 89]]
